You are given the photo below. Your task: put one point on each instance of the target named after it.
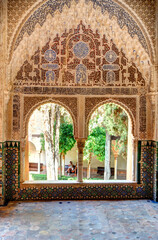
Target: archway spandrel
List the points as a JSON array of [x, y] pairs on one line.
[[26, 7], [128, 104], [80, 57], [31, 103], [110, 6], [125, 32]]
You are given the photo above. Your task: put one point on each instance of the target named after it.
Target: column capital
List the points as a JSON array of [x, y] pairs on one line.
[[80, 146], [80, 143]]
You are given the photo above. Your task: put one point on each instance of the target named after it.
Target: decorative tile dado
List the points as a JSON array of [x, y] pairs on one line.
[[156, 167], [75, 59], [114, 10], [1, 175], [156, 173], [78, 191], [12, 169], [147, 165]]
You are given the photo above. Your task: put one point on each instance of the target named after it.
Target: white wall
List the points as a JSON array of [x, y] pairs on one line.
[[72, 156]]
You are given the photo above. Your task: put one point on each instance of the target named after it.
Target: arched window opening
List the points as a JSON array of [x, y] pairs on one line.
[[51, 148], [109, 146]]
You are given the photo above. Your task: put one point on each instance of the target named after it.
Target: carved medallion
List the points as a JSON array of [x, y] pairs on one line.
[[81, 50]]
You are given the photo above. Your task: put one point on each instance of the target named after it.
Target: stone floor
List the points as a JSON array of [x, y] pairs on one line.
[[75, 220]]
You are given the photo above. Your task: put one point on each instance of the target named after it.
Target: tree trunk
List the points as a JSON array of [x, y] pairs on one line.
[[49, 161], [60, 166], [56, 152], [49, 116], [107, 171], [89, 166], [39, 163], [63, 164]]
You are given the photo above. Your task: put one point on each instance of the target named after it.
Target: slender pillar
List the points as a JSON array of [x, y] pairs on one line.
[[39, 162], [130, 153], [115, 166], [134, 159], [116, 153], [63, 164], [80, 146], [107, 170], [25, 156]]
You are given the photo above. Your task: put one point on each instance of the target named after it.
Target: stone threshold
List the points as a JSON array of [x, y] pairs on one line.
[[71, 182]]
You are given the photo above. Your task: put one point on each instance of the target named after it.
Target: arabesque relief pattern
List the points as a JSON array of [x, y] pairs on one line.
[[80, 62], [142, 117], [114, 10], [144, 9], [130, 103], [31, 103], [16, 113], [79, 57], [77, 91]]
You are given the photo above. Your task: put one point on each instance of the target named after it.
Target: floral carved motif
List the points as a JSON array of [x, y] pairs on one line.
[[16, 116], [79, 57], [142, 117]]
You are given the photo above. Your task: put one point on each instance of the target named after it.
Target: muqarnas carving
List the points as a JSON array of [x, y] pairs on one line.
[[79, 57]]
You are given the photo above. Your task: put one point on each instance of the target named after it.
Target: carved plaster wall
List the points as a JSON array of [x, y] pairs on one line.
[[145, 10], [79, 54], [31, 103], [3, 61], [108, 17], [80, 62], [79, 57], [127, 103]]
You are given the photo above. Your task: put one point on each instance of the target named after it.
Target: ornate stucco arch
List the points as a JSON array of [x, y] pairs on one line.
[[122, 105], [42, 102], [122, 25]]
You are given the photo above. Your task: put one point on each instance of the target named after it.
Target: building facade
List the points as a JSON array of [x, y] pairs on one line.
[[79, 54]]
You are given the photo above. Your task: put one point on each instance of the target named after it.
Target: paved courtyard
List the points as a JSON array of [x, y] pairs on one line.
[[75, 220]]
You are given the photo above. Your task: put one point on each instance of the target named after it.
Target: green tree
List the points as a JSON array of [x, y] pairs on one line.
[[42, 141], [53, 116], [115, 121], [66, 141], [110, 119], [95, 145]]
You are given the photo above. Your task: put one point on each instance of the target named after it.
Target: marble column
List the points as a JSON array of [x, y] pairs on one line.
[[115, 166], [80, 146], [116, 153], [39, 163]]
